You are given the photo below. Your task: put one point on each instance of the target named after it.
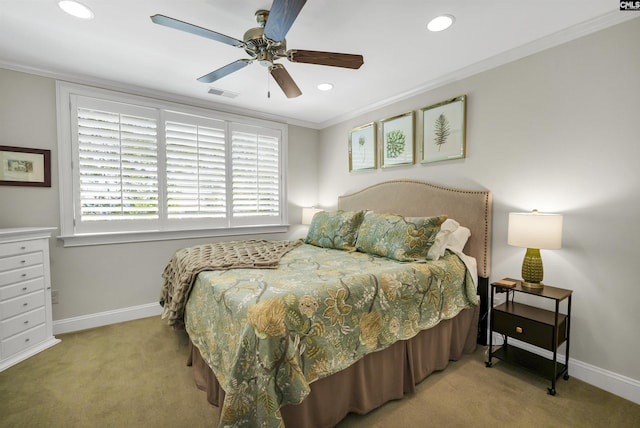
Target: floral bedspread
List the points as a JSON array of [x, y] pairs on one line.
[[267, 334]]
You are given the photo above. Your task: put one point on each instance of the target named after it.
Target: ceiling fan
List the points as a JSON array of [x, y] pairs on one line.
[[266, 44]]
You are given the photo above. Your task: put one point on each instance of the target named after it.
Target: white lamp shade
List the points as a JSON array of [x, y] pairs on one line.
[[308, 213], [535, 230]]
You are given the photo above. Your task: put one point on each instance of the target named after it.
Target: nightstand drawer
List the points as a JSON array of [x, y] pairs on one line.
[[13, 307], [529, 324]]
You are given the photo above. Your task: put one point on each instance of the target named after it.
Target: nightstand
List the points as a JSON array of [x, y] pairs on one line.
[[542, 328]]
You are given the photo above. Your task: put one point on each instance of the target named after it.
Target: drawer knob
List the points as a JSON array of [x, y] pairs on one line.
[[25, 304], [518, 329], [24, 274], [23, 261], [26, 322], [24, 288], [27, 339]]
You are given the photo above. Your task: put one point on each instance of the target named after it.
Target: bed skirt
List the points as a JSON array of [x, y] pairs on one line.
[[375, 379]]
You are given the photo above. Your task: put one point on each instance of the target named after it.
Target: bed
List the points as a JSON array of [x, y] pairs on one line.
[[338, 327]]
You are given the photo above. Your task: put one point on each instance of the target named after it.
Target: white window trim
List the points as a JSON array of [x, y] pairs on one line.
[[65, 90]]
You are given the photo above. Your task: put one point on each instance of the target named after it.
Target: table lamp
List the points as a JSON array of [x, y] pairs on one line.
[[308, 213], [534, 231]]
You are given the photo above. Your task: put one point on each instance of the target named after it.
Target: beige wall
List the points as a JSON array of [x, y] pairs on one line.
[[102, 278], [556, 131]]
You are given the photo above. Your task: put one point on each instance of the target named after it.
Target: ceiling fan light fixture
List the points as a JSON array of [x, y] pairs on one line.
[[76, 9], [440, 23], [326, 86]]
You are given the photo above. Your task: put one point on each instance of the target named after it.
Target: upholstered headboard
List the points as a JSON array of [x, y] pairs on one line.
[[471, 208]]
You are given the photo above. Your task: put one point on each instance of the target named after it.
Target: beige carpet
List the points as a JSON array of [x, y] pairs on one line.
[[134, 375]]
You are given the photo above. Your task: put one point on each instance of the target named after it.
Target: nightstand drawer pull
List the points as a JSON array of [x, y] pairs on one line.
[[518, 329]]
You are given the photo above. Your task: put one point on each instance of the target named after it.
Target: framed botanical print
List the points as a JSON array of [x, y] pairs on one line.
[[363, 147], [398, 140], [443, 130]]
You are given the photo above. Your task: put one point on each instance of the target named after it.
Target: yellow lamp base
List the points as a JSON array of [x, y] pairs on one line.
[[532, 271], [532, 285]]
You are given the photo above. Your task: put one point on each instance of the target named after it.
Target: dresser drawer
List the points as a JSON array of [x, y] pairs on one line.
[[13, 307], [23, 260], [22, 322], [22, 274], [24, 340], [529, 324], [21, 288], [23, 247]]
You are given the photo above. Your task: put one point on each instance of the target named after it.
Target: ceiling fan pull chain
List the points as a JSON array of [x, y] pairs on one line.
[[268, 86]]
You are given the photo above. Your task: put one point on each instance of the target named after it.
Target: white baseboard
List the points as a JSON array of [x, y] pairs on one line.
[[100, 319], [614, 383]]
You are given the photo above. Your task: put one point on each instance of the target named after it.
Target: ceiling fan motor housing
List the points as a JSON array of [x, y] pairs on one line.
[[258, 46]]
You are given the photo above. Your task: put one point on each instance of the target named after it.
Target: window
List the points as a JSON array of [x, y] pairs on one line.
[[136, 169]]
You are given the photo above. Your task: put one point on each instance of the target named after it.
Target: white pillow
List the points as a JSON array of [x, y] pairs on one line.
[[458, 239], [451, 235], [437, 249]]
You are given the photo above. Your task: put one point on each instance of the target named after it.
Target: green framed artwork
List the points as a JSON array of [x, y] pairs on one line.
[[398, 140], [363, 147], [443, 130]]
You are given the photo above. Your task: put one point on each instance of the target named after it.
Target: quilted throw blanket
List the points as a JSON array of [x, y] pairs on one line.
[[187, 263], [267, 334]]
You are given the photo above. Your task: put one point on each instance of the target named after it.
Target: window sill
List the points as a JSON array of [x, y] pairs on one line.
[[156, 235]]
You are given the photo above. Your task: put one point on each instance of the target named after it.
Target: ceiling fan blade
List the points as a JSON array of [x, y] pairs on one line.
[[286, 83], [281, 17], [224, 71], [326, 58], [194, 29]]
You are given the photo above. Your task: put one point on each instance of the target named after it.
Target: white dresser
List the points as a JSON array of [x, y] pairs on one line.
[[26, 326]]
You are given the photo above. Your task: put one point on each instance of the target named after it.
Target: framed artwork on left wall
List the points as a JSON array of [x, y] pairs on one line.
[[21, 166]]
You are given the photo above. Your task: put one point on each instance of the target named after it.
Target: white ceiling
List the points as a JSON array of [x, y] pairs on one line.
[[122, 49]]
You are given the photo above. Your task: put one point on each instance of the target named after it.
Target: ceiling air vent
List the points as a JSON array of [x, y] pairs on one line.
[[221, 93]]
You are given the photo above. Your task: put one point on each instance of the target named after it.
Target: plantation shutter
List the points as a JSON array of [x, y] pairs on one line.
[[117, 164], [255, 175], [139, 169], [196, 167]]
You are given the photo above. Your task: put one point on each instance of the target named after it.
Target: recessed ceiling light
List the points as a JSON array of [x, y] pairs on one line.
[[325, 86], [440, 23], [76, 9]]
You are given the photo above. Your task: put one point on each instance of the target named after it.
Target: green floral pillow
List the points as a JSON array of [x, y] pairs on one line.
[[397, 237], [335, 230]]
